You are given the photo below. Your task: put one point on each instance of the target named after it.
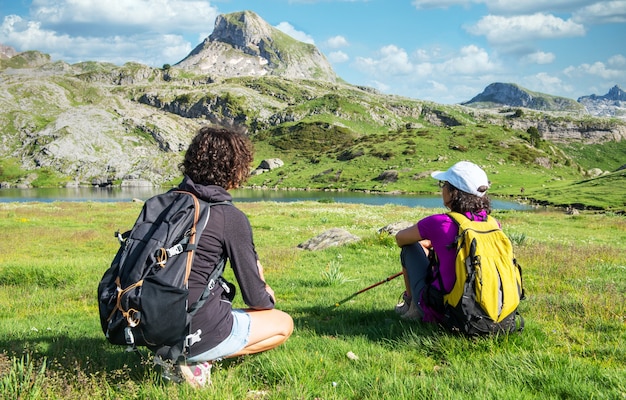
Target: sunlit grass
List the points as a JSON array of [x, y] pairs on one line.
[[52, 256]]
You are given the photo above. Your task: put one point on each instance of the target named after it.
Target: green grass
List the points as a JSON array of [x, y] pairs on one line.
[[52, 256]]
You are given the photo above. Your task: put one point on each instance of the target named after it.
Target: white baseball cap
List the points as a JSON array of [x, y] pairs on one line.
[[465, 176]]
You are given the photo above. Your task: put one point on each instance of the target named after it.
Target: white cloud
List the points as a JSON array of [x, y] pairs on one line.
[[508, 7], [618, 61], [338, 57], [379, 85], [422, 55], [392, 60], [597, 69], [337, 42], [287, 28], [146, 31], [438, 86], [430, 74], [424, 69], [501, 30], [470, 60], [539, 57], [102, 18], [602, 12], [546, 83], [149, 49]]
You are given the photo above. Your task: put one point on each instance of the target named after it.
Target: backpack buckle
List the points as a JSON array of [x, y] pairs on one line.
[[129, 337], [175, 250], [193, 338]]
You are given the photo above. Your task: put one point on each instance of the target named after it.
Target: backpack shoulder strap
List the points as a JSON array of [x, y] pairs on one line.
[[177, 352], [459, 220], [457, 217], [464, 223]]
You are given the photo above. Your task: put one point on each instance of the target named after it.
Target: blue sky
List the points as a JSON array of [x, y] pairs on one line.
[[446, 51]]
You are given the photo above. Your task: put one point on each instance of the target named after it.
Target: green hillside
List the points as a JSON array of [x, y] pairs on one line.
[[76, 123]]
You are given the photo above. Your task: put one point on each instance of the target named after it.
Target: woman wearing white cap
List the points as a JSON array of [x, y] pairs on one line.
[[463, 188]]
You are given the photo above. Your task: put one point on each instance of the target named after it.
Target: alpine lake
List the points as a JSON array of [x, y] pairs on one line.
[[123, 194]]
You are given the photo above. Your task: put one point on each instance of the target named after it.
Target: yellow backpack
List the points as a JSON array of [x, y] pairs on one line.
[[488, 286]]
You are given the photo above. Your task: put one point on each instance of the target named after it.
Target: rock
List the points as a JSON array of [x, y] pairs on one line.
[[395, 227], [271, 163], [594, 172], [572, 211], [329, 238], [387, 176], [267, 165], [258, 171]]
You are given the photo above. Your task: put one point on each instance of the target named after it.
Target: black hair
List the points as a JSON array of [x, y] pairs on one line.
[[463, 202]]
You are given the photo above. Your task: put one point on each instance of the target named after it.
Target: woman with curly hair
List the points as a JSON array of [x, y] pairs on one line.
[[217, 160], [463, 188]]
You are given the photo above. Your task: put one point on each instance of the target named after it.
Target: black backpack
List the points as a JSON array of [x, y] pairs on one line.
[[143, 295]]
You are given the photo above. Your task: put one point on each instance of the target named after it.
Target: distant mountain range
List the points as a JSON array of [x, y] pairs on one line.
[[99, 122], [612, 104], [243, 44], [496, 95]]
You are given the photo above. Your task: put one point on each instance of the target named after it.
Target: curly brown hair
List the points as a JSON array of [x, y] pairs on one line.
[[463, 202], [218, 156]]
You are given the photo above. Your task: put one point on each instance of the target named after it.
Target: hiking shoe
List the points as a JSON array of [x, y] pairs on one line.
[[197, 375], [414, 313], [403, 305]]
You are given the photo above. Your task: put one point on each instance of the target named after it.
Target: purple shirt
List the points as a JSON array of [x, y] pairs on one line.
[[441, 230]]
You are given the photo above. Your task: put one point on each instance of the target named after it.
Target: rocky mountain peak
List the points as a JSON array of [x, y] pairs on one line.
[[505, 94], [612, 104], [241, 30], [616, 93], [511, 95], [6, 51], [243, 44]]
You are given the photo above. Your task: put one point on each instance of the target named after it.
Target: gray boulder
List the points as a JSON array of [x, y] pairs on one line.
[[329, 238], [395, 227]]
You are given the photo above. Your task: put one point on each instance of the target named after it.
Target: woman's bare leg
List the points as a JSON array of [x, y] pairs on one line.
[[268, 329]]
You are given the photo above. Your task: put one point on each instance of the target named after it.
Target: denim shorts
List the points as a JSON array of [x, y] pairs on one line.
[[237, 340]]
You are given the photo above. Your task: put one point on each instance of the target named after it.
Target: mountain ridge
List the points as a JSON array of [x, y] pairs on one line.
[[513, 95], [94, 121], [262, 50], [615, 93], [498, 94], [612, 104]]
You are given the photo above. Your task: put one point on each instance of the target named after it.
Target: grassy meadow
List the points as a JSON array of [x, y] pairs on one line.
[[52, 256]]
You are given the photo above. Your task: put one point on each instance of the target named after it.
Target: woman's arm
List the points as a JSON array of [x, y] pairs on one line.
[[408, 236], [268, 289], [244, 260]]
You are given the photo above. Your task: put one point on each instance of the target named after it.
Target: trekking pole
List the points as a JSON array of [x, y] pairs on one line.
[[353, 295]]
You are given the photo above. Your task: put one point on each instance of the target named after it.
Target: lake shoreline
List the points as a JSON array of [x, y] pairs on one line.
[[247, 194]]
